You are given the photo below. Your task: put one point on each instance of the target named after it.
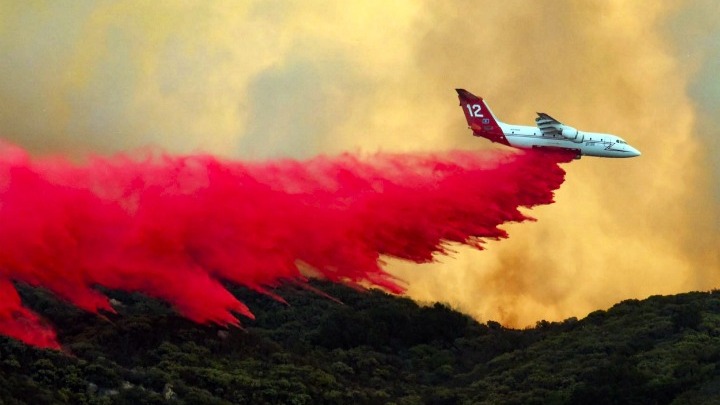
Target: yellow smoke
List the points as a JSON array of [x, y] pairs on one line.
[[261, 79], [620, 229]]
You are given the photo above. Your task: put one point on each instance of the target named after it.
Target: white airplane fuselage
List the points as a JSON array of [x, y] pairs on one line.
[[593, 144]]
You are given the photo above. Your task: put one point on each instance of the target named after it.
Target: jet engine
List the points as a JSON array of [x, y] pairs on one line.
[[572, 134]]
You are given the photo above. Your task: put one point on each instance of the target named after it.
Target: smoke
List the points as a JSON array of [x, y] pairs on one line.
[[175, 227], [621, 229], [694, 33], [257, 79]]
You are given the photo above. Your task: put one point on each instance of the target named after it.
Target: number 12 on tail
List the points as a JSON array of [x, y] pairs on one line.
[[474, 110]]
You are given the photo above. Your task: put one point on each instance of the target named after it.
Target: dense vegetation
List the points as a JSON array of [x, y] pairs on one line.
[[374, 348]]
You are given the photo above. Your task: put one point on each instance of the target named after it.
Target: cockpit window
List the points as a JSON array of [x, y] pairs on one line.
[[620, 141]]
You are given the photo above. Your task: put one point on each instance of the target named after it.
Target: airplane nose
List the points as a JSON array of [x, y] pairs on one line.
[[635, 152]]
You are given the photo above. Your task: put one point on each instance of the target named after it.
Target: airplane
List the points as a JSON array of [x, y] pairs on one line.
[[550, 134]]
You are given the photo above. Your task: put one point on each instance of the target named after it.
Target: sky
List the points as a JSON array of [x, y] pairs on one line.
[[257, 80]]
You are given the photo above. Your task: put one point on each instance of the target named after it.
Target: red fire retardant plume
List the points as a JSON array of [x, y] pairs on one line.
[[173, 228]]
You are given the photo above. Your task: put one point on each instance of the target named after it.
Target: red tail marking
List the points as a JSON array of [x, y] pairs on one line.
[[479, 118]]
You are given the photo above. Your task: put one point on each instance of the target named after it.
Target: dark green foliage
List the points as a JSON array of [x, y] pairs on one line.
[[371, 349]]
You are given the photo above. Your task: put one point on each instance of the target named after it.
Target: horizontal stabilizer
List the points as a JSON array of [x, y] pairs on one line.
[[466, 95]]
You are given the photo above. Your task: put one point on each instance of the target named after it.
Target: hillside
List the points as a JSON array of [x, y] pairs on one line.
[[374, 348]]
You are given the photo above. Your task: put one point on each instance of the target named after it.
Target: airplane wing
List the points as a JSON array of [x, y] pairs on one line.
[[551, 127], [548, 125]]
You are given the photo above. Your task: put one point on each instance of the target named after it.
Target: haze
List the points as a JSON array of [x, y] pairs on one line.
[[256, 80]]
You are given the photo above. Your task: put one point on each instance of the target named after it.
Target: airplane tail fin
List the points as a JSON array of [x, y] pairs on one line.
[[479, 117]]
